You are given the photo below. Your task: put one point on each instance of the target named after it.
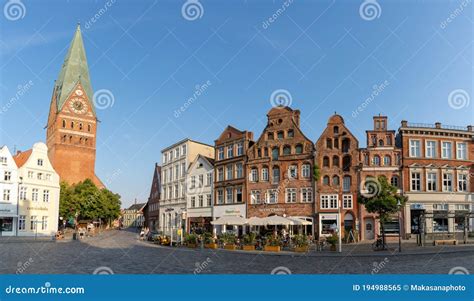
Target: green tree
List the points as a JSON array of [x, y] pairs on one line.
[[85, 201], [381, 198]]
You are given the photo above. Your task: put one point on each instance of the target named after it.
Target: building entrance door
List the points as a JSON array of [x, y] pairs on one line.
[[369, 229]]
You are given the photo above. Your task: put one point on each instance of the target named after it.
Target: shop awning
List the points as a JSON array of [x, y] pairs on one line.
[[230, 220]]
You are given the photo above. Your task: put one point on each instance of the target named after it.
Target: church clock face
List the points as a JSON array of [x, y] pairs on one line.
[[78, 105]]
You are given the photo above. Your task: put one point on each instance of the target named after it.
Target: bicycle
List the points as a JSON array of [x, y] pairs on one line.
[[379, 245]]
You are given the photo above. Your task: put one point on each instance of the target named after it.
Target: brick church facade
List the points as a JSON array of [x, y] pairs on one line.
[[72, 121]]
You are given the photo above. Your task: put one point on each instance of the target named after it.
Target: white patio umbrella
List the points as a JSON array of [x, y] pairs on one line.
[[276, 220], [299, 221], [230, 220], [256, 221]]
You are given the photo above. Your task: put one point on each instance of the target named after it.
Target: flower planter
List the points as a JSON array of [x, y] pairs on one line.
[[302, 249], [192, 246], [248, 248], [210, 246], [230, 247], [272, 248]]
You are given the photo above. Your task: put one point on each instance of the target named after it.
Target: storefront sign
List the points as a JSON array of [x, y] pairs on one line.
[[271, 209], [37, 208], [417, 206], [232, 211]]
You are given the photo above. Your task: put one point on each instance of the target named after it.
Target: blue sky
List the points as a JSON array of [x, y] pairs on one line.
[[151, 58]]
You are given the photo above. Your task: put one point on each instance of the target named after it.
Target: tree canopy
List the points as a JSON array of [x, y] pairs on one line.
[[85, 201]]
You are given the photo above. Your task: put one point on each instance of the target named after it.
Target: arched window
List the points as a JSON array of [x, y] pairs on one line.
[[286, 150], [335, 180], [394, 181], [328, 143], [265, 173], [275, 153], [380, 142], [80, 140], [326, 161], [366, 159], [70, 139], [299, 149], [80, 126], [280, 134], [376, 160], [72, 124], [335, 161], [336, 143], [346, 145], [336, 129], [270, 136], [346, 163], [346, 183], [325, 180], [291, 133], [275, 174], [253, 174], [387, 161], [64, 123], [88, 127]]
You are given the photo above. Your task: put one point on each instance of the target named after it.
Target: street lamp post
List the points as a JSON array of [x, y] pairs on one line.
[[399, 228], [339, 228]]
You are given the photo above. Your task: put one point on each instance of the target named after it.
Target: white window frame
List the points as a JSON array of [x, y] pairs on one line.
[[347, 201], [448, 177], [429, 180], [413, 152], [253, 174], [271, 192], [433, 149], [220, 196], [293, 171], [460, 180], [443, 156], [412, 179], [463, 149], [240, 149], [306, 195], [329, 201], [220, 153], [239, 170], [230, 151], [306, 170], [255, 197], [290, 195], [265, 174]]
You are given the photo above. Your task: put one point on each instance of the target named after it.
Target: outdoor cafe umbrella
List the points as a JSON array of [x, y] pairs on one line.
[[276, 220], [299, 222], [256, 221], [230, 220]]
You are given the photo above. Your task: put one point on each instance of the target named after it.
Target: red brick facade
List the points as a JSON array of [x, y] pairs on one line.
[[280, 168], [337, 155], [71, 138]]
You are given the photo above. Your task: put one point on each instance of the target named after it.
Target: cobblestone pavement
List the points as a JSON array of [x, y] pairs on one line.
[[122, 253]]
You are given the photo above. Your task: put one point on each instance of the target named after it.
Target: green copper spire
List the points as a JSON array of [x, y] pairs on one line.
[[73, 71]]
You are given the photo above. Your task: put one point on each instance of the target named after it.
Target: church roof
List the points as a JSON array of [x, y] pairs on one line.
[[73, 71]]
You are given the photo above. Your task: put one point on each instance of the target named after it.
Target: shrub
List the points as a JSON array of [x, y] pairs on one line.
[[249, 239], [273, 241], [208, 239], [190, 239], [300, 240], [228, 238], [333, 239]]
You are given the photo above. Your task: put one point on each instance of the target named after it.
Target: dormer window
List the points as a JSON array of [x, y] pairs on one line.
[[336, 130]]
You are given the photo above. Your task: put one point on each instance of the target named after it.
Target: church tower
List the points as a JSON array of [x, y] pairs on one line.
[[72, 122]]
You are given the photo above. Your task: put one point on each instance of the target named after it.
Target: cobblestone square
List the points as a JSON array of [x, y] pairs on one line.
[[120, 252]]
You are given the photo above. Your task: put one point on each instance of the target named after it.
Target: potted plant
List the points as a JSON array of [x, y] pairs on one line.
[[228, 239], [249, 242], [191, 240], [332, 240], [273, 244], [209, 241], [301, 243]]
